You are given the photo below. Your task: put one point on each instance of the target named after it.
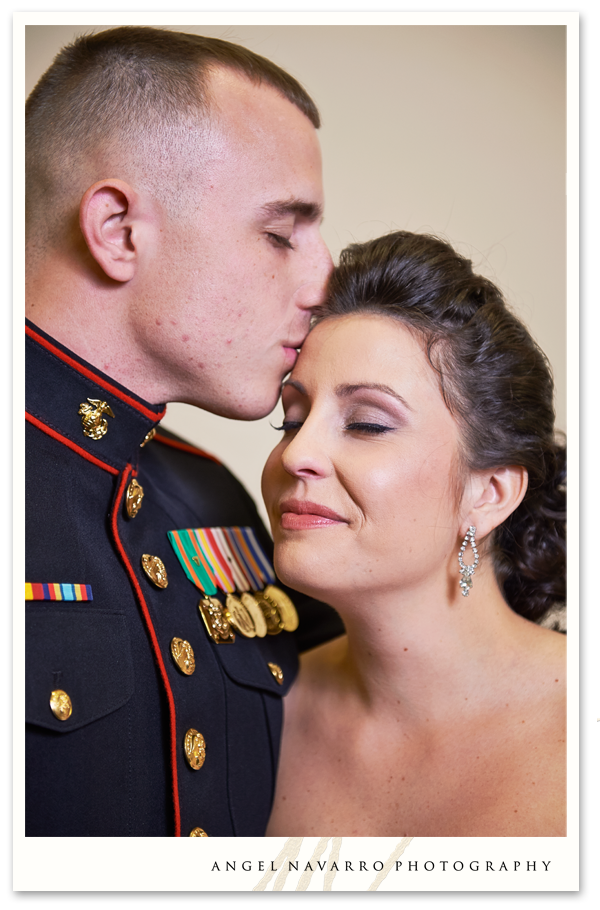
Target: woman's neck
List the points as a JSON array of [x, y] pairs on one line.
[[421, 651]]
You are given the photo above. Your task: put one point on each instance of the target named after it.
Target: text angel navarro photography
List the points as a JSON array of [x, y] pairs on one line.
[[359, 865]]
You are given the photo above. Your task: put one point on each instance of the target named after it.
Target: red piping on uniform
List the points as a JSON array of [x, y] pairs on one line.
[[67, 442], [185, 447], [153, 415], [155, 644]]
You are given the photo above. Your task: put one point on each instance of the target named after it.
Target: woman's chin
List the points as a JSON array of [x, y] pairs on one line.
[[303, 578]]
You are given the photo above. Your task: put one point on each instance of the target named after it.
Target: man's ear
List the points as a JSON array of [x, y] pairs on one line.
[[493, 496], [108, 217]]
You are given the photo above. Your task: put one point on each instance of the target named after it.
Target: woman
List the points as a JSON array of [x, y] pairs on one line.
[[419, 490]]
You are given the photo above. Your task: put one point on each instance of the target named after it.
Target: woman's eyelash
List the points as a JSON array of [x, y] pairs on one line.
[[288, 425], [373, 428], [278, 240]]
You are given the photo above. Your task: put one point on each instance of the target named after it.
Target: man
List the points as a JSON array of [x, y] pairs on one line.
[[174, 200]]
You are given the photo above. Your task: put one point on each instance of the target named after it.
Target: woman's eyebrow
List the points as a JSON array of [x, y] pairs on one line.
[[295, 385], [344, 391]]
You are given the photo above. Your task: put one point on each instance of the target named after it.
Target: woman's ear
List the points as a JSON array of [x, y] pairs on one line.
[[107, 217], [493, 496]]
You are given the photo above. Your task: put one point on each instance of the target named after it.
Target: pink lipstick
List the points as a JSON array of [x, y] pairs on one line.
[[298, 515]]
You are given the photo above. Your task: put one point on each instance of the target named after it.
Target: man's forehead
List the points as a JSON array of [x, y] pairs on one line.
[[235, 99]]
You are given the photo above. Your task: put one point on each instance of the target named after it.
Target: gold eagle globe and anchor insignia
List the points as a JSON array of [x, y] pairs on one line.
[[94, 424]]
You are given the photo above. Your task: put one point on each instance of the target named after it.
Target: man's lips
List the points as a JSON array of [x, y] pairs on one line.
[[298, 514], [291, 355]]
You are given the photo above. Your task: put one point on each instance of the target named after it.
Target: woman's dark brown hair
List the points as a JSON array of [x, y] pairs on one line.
[[494, 379]]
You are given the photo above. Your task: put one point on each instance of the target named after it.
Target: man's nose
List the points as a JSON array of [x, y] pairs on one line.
[[313, 291]]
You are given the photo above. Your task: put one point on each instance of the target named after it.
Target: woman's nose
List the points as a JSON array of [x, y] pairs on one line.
[[306, 454]]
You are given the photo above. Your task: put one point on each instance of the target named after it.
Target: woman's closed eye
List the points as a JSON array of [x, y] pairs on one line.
[[371, 429], [368, 428]]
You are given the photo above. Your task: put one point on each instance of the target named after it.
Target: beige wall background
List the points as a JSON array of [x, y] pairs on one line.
[[457, 130]]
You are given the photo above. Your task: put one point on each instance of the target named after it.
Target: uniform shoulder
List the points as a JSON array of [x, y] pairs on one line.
[[165, 437]]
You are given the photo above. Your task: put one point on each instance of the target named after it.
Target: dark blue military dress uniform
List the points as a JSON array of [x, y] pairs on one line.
[[114, 762]]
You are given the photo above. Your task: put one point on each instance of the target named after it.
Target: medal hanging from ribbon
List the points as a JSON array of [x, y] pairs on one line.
[[230, 560]]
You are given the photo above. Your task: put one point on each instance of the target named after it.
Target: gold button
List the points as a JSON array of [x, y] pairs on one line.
[[150, 435], [276, 671], [133, 498], [60, 704], [198, 832], [155, 570], [195, 749], [183, 655]]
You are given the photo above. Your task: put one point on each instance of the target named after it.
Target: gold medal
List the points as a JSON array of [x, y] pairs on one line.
[[217, 626], [239, 617], [271, 614], [260, 623], [285, 607]]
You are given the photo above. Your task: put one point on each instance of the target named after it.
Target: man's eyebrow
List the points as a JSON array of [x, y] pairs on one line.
[[310, 211], [344, 391]]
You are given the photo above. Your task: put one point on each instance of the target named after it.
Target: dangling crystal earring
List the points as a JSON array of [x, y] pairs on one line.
[[467, 572]]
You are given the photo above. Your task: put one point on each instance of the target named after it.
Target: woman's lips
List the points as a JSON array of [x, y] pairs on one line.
[[297, 515]]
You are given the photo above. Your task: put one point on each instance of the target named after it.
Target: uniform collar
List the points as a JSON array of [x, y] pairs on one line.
[[59, 383]]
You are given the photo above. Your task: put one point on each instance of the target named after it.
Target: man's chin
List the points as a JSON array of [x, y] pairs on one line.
[[242, 410]]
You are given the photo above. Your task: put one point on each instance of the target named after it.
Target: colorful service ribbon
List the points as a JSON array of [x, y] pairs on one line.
[[227, 558], [192, 559], [56, 591]]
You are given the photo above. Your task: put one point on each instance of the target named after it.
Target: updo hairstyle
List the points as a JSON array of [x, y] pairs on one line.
[[495, 381]]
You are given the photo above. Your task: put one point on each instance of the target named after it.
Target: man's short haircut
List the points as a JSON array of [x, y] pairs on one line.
[[130, 92]]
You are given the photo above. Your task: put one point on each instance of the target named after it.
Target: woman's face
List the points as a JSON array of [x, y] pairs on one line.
[[362, 489]]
